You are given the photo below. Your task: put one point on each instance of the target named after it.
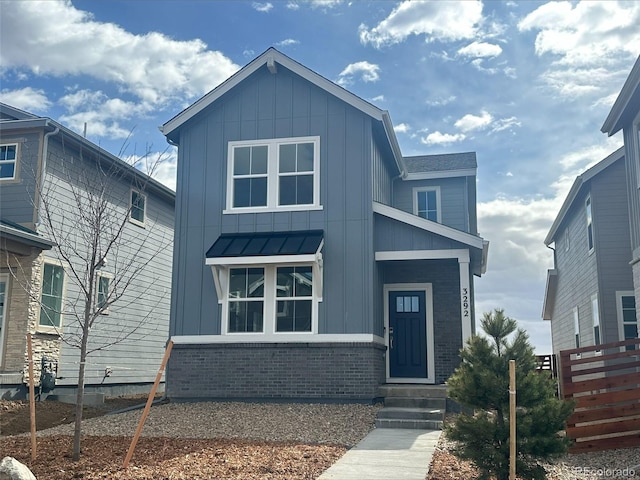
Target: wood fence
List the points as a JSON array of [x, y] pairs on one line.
[[604, 381]]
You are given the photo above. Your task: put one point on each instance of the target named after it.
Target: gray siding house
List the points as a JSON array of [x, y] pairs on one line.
[[625, 116], [312, 260], [37, 292], [589, 294]]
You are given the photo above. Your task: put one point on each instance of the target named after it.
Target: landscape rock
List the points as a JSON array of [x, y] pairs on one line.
[[11, 469]]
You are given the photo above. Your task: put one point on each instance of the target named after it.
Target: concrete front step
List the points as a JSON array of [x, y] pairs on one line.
[[411, 413], [412, 402], [408, 424], [412, 391]]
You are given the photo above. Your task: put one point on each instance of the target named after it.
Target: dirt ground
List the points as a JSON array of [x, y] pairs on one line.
[[154, 458]]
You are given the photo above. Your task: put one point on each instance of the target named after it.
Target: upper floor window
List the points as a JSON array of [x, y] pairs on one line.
[[426, 203], [589, 224], [137, 208], [52, 295], [627, 316], [8, 159], [576, 327], [278, 174], [103, 282], [595, 314]]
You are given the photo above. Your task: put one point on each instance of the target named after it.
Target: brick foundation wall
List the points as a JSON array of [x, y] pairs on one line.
[[276, 371]]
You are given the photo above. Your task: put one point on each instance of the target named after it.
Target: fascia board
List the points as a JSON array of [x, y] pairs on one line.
[[26, 238], [549, 294], [262, 259], [270, 56], [612, 124], [429, 226]]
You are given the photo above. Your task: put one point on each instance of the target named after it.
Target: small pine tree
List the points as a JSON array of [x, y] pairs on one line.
[[481, 383]]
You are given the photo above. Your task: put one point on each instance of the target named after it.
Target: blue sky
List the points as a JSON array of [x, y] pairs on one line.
[[526, 85]]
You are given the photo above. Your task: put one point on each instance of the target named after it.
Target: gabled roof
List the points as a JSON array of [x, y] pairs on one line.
[[577, 186], [627, 105], [271, 58], [15, 119]]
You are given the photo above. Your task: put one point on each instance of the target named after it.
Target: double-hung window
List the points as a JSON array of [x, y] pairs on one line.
[[137, 208], [8, 160], [595, 314], [589, 224], [576, 327], [52, 295], [271, 299], [277, 174], [103, 283], [627, 316], [426, 203]]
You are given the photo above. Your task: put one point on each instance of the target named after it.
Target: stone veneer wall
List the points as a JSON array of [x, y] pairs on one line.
[[276, 371], [25, 280]]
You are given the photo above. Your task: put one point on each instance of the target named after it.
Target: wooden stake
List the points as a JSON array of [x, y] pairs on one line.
[[512, 420], [152, 394], [32, 398]]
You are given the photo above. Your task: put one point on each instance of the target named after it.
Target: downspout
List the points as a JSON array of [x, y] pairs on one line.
[[45, 151]]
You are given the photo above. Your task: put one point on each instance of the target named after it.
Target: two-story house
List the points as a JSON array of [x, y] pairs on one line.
[[312, 260], [589, 293], [45, 172], [625, 116]]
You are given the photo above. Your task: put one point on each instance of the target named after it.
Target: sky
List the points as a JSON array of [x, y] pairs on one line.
[[526, 85]]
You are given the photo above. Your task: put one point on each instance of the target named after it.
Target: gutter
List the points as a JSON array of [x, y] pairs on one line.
[[45, 151]]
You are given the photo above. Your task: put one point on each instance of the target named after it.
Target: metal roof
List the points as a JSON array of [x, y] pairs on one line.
[[304, 242]]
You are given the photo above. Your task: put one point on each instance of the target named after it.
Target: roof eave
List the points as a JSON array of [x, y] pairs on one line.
[[614, 122]]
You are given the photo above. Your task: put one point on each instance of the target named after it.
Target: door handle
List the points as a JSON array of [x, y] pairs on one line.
[[391, 343]]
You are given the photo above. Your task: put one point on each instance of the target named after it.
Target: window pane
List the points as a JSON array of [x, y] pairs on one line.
[[629, 315], [422, 201], [400, 304], [255, 282], [258, 192], [284, 320], [241, 160], [305, 157], [245, 316], [259, 159], [415, 304], [8, 152], [431, 199], [596, 335], [628, 302], [238, 283], [630, 331], [432, 215], [288, 190], [287, 158], [241, 192], [137, 206], [294, 316], [7, 170], [52, 287], [304, 281], [305, 189], [285, 282], [407, 304]]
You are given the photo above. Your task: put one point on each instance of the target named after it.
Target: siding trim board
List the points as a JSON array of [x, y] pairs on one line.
[[278, 338]]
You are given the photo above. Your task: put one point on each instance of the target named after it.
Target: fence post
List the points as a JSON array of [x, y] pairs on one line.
[[512, 420]]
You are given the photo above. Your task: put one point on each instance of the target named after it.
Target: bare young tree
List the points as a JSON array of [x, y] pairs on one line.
[[86, 207]]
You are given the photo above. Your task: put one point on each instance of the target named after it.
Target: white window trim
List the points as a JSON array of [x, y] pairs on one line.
[[589, 213], [144, 210], [427, 288], [269, 333], [45, 328], [272, 175], [4, 278], [595, 315], [436, 189], [108, 276], [15, 161], [619, 295]]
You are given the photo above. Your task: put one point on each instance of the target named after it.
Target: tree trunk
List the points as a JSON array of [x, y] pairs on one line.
[[77, 432]]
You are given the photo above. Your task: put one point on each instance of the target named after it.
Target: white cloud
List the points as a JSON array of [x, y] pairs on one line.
[[287, 42], [160, 165], [472, 122], [152, 67], [590, 41], [441, 101], [28, 99], [505, 124], [402, 128], [444, 21], [480, 50], [437, 138], [379, 98], [262, 7], [368, 72]]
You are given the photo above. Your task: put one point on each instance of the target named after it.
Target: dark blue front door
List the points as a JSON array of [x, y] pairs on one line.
[[407, 335]]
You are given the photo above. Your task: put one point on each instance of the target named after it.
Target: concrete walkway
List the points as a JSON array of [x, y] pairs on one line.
[[387, 454]]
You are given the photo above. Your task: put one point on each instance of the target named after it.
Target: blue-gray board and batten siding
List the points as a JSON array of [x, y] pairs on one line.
[[356, 168]]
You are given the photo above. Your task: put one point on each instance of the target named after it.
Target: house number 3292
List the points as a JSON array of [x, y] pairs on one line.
[[465, 302]]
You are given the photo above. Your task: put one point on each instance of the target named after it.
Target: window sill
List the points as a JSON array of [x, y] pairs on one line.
[[42, 330], [292, 208], [137, 223]]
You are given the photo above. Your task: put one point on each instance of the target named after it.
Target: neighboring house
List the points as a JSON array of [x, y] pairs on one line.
[[589, 294], [312, 260], [625, 116], [38, 154]]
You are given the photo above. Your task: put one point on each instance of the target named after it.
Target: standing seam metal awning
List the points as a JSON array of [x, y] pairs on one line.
[[237, 249]]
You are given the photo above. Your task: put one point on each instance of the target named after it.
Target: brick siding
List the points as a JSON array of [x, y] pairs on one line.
[[276, 371]]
